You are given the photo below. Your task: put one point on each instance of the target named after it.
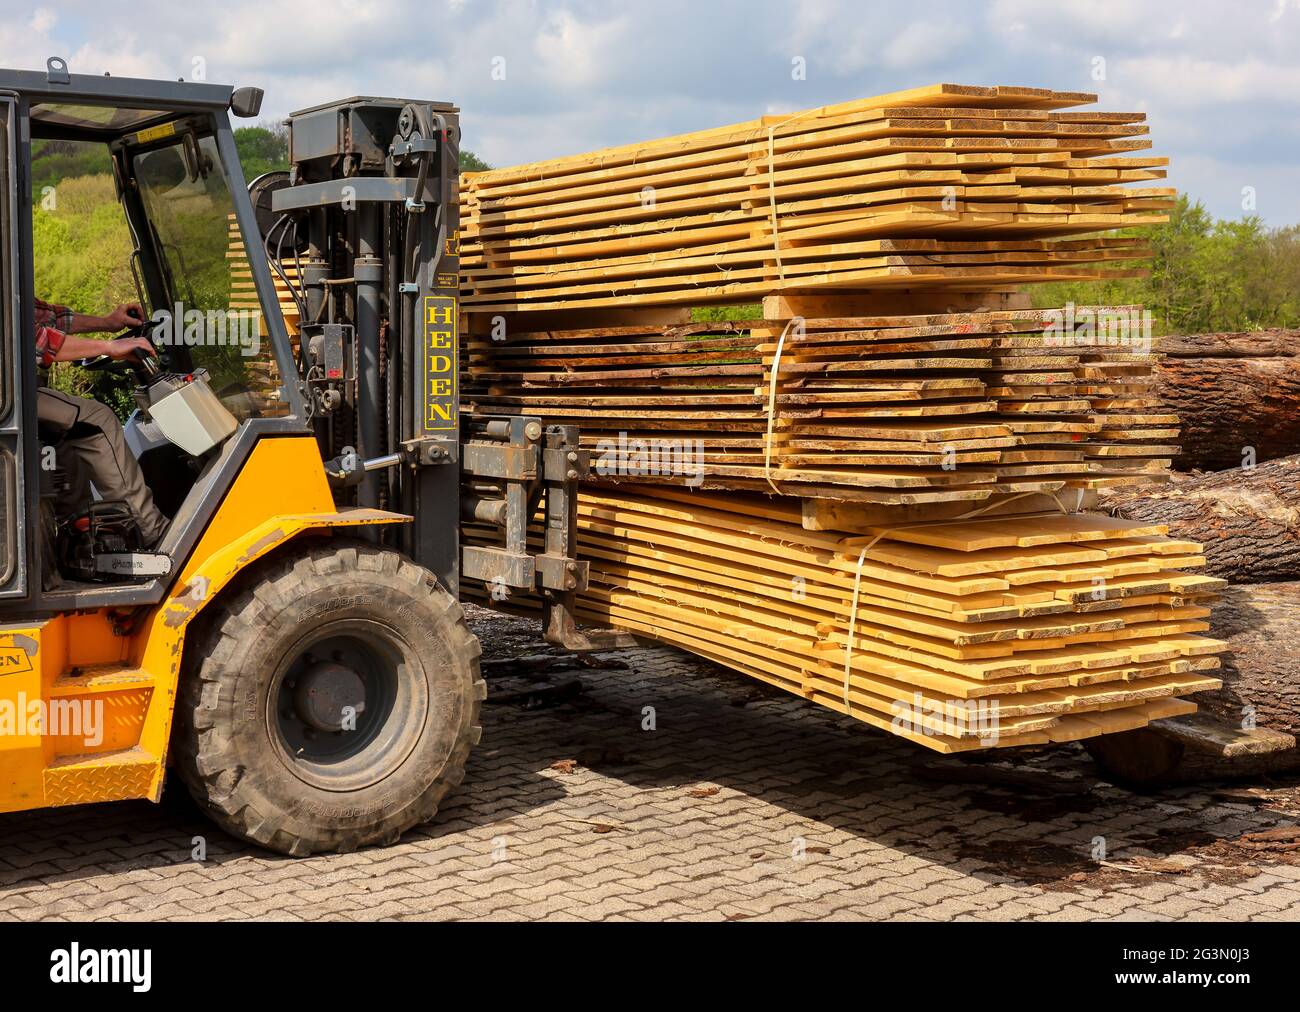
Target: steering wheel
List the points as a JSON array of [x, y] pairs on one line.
[[145, 367]]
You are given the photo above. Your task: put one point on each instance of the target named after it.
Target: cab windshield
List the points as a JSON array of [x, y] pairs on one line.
[[212, 309]]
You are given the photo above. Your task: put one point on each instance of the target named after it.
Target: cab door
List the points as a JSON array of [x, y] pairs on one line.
[[13, 548]]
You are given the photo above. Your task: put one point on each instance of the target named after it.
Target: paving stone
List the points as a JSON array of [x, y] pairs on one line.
[[519, 840]]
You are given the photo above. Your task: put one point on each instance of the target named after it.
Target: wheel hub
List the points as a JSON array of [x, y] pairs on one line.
[[341, 705], [329, 696]]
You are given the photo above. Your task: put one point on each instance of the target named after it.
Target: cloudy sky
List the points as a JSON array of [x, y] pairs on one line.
[[1219, 81]]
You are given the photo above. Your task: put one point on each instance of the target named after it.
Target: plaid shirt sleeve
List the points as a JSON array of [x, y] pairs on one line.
[[52, 326]]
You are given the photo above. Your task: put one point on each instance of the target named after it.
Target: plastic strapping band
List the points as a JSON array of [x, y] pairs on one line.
[[771, 199], [780, 267], [851, 641], [771, 407], [771, 185], [853, 616]]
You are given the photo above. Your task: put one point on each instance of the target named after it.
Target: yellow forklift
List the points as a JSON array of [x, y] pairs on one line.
[[294, 645]]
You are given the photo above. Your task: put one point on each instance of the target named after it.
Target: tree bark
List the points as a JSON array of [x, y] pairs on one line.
[[1248, 520], [1232, 391], [1261, 674]]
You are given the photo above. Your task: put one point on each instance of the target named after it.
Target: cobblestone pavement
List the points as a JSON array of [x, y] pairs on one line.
[[742, 802]]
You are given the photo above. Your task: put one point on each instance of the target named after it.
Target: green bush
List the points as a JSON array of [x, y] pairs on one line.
[[1206, 275], [262, 149]]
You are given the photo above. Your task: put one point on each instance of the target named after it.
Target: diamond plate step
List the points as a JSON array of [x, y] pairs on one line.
[[120, 696], [109, 776]]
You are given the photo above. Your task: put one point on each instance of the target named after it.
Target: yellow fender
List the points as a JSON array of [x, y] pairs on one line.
[[280, 492]]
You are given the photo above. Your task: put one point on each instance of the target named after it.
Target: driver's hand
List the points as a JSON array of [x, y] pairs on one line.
[[128, 314], [125, 347]]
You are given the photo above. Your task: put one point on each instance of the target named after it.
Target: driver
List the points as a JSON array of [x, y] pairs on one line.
[[93, 447]]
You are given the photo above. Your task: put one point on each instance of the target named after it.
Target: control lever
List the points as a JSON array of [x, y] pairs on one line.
[[145, 367]]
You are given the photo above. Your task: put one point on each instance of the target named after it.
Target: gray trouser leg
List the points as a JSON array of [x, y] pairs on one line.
[[95, 450]]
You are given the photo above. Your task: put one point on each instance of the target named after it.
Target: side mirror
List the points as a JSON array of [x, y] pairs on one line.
[[246, 102]]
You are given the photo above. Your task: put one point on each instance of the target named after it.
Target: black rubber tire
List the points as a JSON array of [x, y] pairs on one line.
[[225, 748]]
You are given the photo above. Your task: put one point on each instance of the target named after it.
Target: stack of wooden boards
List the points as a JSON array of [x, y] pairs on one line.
[[986, 632], [887, 409], [925, 432], [945, 187], [243, 291]]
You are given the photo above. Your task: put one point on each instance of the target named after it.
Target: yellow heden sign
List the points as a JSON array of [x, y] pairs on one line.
[[440, 363], [14, 660]]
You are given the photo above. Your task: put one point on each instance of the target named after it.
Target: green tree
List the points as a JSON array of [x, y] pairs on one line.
[[470, 162], [1205, 275], [81, 258], [262, 148], [55, 161]]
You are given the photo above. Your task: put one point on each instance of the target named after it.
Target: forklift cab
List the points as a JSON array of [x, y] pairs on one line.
[[219, 379]]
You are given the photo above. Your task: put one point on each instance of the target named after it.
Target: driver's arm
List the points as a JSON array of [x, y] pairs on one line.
[[64, 320], [128, 314], [73, 348], [56, 327]]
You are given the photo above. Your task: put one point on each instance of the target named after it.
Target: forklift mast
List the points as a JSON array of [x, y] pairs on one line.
[[369, 215]]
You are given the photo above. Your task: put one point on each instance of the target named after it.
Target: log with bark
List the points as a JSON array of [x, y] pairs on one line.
[[1232, 391], [1261, 671], [1248, 520]]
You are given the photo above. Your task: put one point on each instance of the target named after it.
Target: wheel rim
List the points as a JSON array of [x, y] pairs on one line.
[[347, 705]]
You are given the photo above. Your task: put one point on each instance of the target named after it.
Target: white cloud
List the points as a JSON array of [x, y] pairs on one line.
[[576, 53], [923, 44], [43, 20], [1186, 82], [1219, 82]]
